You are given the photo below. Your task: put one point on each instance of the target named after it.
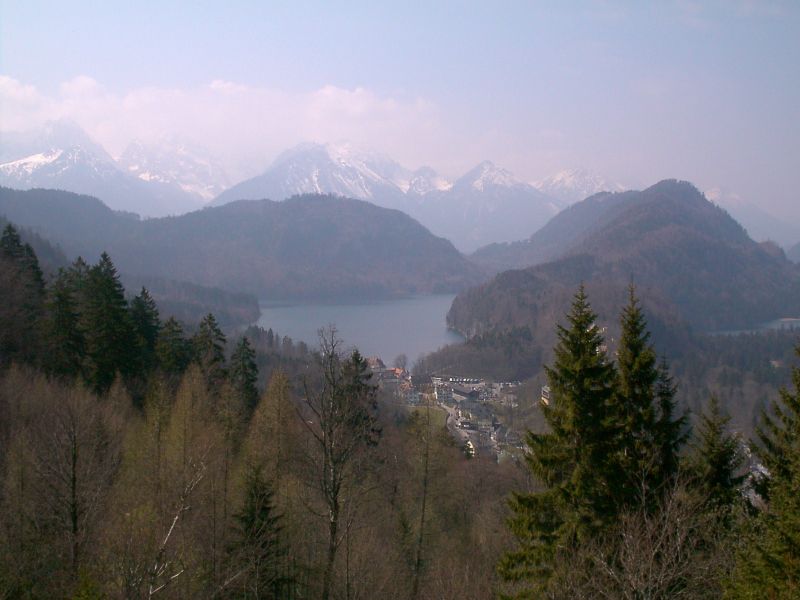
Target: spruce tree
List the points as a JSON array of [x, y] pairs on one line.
[[648, 436], [243, 374], [672, 432], [11, 245], [110, 336], [64, 343], [256, 555], [571, 460], [717, 459], [173, 350], [146, 323], [23, 292], [768, 563], [208, 345], [778, 436]]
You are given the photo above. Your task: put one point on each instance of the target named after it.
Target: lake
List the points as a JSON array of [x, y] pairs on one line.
[[785, 324], [411, 326]]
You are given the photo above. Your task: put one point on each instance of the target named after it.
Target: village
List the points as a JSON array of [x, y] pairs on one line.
[[470, 406]]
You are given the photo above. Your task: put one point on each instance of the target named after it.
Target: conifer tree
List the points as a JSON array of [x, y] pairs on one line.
[[778, 436], [64, 344], [146, 323], [208, 345], [672, 432], [642, 412], [22, 299], [718, 458], [243, 374], [256, 556], [110, 338], [173, 350], [768, 564], [571, 459]]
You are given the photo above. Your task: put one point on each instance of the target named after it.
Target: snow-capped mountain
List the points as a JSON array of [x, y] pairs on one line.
[[760, 225], [176, 163], [339, 169], [51, 136], [61, 155], [488, 204], [425, 180], [573, 185], [486, 176]]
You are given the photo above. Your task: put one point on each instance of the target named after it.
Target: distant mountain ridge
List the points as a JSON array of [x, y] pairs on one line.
[[760, 224], [692, 262], [307, 247], [175, 163], [573, 185], [486, 204], [559, 234], [60, 155]]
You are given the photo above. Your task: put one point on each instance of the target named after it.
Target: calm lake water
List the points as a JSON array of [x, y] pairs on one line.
[[786, 324], [411, 326]]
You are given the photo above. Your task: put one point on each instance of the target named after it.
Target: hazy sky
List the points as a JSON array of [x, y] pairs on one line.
[[636, 91]]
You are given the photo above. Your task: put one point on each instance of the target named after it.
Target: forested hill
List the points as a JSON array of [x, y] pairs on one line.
[[51, 258], [692, 263], [307, 247], [559, 234]]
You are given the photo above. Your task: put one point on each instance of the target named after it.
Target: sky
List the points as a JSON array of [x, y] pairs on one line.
[[635, 91]]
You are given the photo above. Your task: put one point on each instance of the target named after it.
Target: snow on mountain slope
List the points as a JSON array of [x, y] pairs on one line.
[[487, 175], [24, 167], [574, 185], [340, 169], [60, 155], [425, 180], [177, 164], [486, 205]]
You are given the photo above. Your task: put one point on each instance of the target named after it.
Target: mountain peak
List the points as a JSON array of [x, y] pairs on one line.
[[487, 174], [573, 185], [175, 162]]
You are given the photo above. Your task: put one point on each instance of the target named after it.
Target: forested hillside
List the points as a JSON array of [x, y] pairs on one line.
[[557, 236], [185, 301], [691, 261], [306, 247], [137, 460]]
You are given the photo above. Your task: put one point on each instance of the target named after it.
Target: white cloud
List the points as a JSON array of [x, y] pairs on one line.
[[247, 126]]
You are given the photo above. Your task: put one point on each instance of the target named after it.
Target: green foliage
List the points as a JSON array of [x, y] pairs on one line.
[[146, 324], [717, 459], [64, 340], [173, 350], [208, 346], [642, 413], [256, 549], [778, 436], [243, 374], [611, 447], [22, 289], [571, 459], [768, 564], [110, 336]]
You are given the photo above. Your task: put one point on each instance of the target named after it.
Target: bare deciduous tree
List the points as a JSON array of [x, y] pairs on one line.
[[338, 414]]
